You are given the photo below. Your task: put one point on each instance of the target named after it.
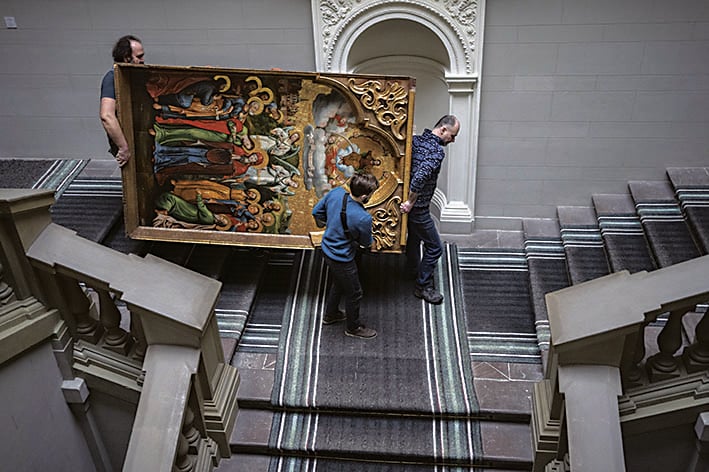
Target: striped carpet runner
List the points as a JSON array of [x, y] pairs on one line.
[[500, 321], [60, 175], [411, 386], [667, 232]]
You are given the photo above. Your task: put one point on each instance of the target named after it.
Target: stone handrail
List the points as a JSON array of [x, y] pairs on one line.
[[597, 328], [168, 359]]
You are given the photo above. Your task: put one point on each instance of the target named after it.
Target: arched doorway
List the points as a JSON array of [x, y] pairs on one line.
[[387, 48], [440, 45]]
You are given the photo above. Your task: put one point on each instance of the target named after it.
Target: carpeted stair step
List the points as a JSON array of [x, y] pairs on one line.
[[497, 302], [383, 438], [177, 253], [270, 287], [90, 206], [209, 260], [240, 279], [118, 240], [546, 261], [54, 174], [664, 225], [622, 233], [585, 254], [353, 402], [262, 463], [691, 185], [371, 400]]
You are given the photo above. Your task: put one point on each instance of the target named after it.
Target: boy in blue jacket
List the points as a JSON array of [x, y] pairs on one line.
[[340, 244]]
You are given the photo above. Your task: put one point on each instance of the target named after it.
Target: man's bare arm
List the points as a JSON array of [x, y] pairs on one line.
[[110, 123]]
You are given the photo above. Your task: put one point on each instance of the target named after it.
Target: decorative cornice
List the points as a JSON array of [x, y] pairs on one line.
[[460, 16]]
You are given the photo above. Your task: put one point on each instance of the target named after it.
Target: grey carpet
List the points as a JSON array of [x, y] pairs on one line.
[[54, 174], [546, 261], [585, 254], [500, 319], [625, 242], [259, 284], [90, 206], [667, 232], [419, 362], [451, 441]]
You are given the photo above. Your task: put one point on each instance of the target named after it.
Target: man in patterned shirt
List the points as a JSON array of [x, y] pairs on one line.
[[426, 158]]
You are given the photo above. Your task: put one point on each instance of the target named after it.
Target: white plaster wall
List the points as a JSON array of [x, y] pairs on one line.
[[52, 64], [579, 97]]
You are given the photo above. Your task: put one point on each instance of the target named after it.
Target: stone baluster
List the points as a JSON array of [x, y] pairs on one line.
[[87, 328], [183, 461], [141, 344], [559, 465], [696, 356], [7, 294], [633, 355], [190, 432], [116, 339], [663, 365]]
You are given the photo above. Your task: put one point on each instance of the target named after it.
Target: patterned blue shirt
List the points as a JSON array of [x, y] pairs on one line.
[[427, 155]]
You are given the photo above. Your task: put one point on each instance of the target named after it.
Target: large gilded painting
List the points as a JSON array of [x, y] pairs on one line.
[[229, 156]]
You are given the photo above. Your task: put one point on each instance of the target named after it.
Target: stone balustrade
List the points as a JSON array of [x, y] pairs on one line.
[[600, 384], [140, 329]]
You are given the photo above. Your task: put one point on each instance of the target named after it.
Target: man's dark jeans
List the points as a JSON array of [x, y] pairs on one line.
[[423, 229], [345, 284]]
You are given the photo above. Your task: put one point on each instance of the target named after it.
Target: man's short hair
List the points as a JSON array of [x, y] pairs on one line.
[[449, 121], [122, 49], [363, 184]]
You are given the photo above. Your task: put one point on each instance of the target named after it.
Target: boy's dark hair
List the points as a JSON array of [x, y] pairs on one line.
[[122, 48], [363, 184]]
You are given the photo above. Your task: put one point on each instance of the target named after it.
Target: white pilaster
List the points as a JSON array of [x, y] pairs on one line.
[[457, 214]]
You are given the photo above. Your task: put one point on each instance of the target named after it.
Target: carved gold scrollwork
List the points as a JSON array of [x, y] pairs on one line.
[[384, 223], [388, 102]]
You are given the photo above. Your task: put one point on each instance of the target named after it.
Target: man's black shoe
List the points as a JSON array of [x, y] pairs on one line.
[[361, 332], [430, 294], [336, 318]]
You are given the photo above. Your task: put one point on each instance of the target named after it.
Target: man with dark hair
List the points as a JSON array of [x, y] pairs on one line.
[[128, 49], [349, 227], [427, 155]]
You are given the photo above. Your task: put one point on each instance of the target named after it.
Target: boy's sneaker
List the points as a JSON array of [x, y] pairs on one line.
[[336, 318], [430, 294], [361, 332]]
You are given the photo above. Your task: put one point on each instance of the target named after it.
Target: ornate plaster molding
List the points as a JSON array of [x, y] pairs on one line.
[[455, 21]]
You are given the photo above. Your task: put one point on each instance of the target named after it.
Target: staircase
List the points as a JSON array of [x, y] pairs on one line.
[[497, 282]]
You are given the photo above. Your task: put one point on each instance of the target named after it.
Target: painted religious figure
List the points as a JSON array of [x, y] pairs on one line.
[[240, 157]]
